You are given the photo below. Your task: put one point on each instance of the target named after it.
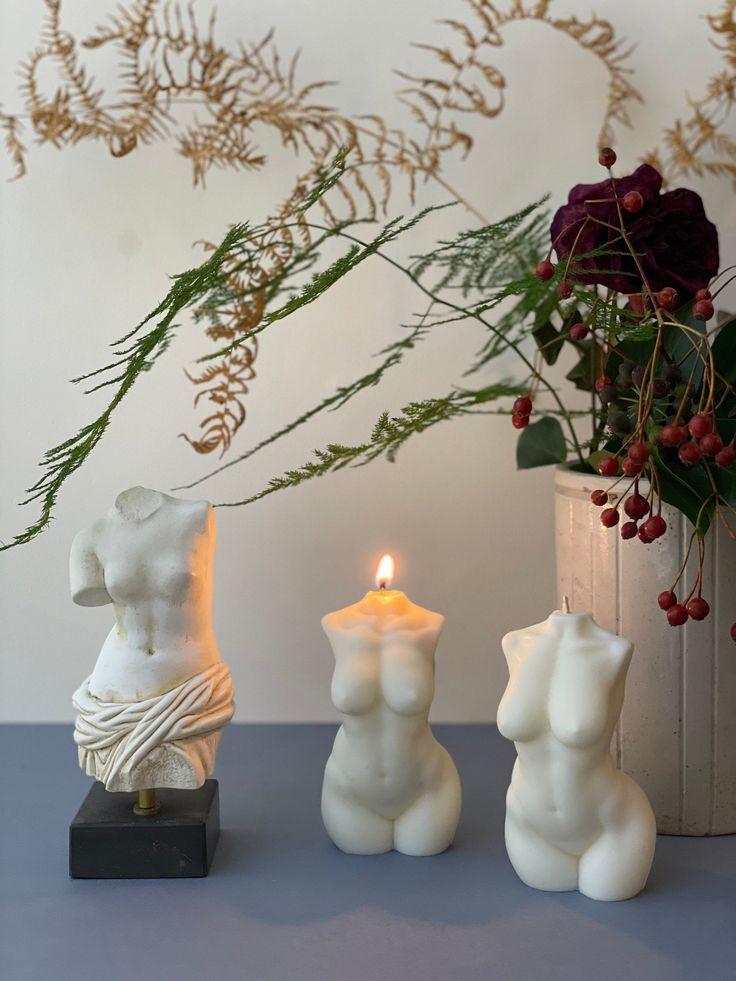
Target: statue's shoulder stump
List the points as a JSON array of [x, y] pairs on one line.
[[108, 841]]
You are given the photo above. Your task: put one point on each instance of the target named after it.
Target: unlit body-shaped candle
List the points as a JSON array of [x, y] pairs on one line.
[[151, 713], [388, 783], [573, 821]]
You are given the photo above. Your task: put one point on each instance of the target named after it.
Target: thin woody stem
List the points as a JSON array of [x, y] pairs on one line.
[[494, 330]]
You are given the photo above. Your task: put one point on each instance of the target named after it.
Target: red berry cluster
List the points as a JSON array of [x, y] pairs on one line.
[[637, 508], [695, 608], [696, 440], [703, 306], [650, 410], [522, 411]]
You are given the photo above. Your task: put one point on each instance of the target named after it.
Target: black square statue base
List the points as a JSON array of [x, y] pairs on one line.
[[108, 841]]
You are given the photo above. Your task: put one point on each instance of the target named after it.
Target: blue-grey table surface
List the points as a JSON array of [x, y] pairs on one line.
[[283, 904]]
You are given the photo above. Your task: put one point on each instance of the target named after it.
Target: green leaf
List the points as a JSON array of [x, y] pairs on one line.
[[685, 488], [679, 345], [541, 444], [724, 351], [584, 373], [726, 484], [549, 340]]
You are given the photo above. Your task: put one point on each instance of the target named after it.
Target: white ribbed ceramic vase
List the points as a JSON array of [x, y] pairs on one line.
[[677, 734]]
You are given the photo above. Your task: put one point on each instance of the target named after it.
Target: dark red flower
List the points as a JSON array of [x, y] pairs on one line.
[[677, 245]]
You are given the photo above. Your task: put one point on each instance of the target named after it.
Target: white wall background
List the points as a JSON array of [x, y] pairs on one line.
[[86, 243]]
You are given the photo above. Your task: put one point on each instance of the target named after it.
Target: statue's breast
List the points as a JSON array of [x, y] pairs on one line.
[[521, 718], [407, 677], [173, 580], [579, 697], [356, 685], [523, 713], [125, 580], [130, 581]]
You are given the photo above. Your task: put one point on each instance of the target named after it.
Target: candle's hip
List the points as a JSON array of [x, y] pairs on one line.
[[571, 800], [387, 770]]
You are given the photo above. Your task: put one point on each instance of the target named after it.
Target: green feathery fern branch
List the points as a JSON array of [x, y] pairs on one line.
[[139, 349], [478, 259], [479, 274], [61, 461], [389, 434]]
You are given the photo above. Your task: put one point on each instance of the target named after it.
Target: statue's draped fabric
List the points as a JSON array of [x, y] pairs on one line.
[[115, 737]]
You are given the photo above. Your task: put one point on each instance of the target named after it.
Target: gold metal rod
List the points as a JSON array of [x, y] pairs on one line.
[[147, 805]]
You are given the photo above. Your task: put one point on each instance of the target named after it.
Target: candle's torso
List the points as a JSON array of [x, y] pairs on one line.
[[157, 572], [564, 800], [567, 801], [385, 760], [560, 709], [383, 685]]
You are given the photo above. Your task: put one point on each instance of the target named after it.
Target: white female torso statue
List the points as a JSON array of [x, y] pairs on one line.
[[388, 783], [573, 821], [152, 711]]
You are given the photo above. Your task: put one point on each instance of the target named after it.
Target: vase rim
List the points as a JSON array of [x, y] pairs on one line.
[[578, 480]]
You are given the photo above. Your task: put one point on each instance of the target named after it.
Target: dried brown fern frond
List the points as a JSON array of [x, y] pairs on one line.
[[598, 37], [207, 146], [74, 111], [169, 61], [723, 24], [701, 143], [225, 385], [231, 315], [471, 86], [11, 127]]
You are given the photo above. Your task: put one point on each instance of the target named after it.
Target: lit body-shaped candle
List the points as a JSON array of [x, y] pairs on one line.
[[573, 821], [388, 783]]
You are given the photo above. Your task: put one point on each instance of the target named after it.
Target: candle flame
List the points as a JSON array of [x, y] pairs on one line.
[[384, 572]]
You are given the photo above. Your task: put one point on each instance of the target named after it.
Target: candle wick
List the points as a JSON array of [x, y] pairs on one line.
[[565, 604]]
